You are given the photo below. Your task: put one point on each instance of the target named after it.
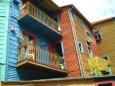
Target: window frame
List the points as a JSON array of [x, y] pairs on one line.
[[81, 49], [105, 82], [91, 54], [108, 59], [98, 33]]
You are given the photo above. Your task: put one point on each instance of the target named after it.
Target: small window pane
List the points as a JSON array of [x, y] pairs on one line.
[[81, 47]]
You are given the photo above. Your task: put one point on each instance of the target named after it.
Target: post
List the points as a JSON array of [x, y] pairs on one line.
[[28, 6]]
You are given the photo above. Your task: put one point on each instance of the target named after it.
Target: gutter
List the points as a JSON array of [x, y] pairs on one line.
[[81, 68]]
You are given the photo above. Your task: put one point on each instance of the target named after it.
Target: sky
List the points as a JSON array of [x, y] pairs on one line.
[[93, 10]]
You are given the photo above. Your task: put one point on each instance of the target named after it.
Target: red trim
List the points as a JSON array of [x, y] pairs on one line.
[[105, 82], [52, 56], [31, 35]]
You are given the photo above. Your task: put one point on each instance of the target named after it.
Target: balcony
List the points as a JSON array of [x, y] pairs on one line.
[[37, 20], [29, 59], [99, 66]]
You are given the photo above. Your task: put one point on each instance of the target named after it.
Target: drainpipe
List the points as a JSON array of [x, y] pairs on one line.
[[75, 42]]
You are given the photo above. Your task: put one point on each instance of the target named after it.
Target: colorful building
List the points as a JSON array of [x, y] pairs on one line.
[[76, 81], [81, 52], [30, 44], [104, 33], [40, 40]]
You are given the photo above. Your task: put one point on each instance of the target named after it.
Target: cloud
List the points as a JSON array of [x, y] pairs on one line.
[[93, 10]]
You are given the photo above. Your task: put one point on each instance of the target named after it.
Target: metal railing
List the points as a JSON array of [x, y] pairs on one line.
[[39, 55], [28, 8]]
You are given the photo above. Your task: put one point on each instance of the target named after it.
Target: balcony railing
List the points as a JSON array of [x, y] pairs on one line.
[[27, 52], [98, 64], [30, 53], [28, 8]]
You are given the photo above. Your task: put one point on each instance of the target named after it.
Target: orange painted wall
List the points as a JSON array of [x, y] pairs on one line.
[[70, 53], [95, 48]]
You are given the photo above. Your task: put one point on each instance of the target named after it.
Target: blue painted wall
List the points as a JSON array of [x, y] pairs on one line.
[[12, 73], [12, 48]]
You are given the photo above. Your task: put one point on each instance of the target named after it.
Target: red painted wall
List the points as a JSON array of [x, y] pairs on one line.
[[52, 56], [70, 53], [95, 48]]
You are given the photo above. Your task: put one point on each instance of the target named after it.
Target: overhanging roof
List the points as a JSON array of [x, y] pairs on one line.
[[95, 78], [102, 21]]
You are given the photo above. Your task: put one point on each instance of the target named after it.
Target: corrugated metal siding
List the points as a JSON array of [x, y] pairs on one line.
[[83, 35], [95, 49], [12, 74], [3, 31], [12, 50], [2, 72], [107, 44], [70, 54], [43, 52], [4, 12]]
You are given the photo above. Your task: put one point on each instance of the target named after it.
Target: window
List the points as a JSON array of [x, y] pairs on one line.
[[89, 49], [74, 17], [109, 66], [97, 35], [80, 47], [105, 57]]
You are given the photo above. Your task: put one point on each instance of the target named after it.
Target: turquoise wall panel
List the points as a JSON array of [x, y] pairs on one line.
[[4, 15], [2, 72], [4, 12]]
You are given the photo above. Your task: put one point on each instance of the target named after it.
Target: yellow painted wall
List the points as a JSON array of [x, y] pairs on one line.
[[55, 83], [107, 44], [82, 37]]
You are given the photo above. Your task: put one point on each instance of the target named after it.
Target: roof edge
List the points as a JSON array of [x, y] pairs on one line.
[[103, 20]]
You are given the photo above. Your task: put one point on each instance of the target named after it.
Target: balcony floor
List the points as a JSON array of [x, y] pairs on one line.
[[41, 28], [39, 70]]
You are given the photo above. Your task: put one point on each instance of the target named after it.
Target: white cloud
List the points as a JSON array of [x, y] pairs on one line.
[[93, 10]]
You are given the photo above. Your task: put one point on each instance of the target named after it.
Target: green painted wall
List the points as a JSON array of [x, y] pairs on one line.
[[4, 15]]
